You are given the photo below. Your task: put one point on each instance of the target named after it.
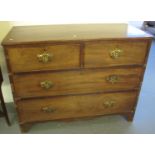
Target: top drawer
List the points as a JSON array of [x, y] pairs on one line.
[[52, 57], [114, 53]]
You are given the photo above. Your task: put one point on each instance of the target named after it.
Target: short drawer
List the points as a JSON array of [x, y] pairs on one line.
[[52, 57], [115, 53], [76, 82], [75, 106]]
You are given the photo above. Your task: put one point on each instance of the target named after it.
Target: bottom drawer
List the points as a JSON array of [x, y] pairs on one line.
[[75, 106]]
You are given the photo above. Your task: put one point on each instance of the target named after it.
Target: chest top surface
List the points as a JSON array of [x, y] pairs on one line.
[[70, 32]]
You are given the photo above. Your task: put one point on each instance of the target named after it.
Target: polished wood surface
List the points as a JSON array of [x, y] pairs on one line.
[[76, 82], [98, 54], [71, 32], [64, 56], [95, 69], [75, 106]]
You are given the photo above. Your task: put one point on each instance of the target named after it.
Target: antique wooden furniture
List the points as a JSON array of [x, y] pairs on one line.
[[72, 71], [3, 113]]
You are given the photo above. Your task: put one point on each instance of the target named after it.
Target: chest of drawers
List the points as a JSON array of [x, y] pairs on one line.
[[74, 71]]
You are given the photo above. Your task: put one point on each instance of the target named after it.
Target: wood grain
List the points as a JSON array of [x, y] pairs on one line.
[[75, 106], [75, 82], [71, 32], [98, 54], [79, 70], [24, 59]]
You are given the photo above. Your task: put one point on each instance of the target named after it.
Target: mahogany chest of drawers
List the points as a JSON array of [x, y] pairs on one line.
[[74, 71]]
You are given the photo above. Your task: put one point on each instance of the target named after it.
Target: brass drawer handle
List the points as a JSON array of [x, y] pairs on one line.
[[109, 103], [112, 79], [47, 110], [46, 84], [44, 57], [116, 53]]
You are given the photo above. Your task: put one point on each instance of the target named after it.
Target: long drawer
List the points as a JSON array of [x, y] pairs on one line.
[[115, 53], [76, 82], [47, 57], [75, 106]]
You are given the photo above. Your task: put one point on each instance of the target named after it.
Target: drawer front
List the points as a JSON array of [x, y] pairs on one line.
[[52, 57], [76, 82], [115, 53], [75, 106]]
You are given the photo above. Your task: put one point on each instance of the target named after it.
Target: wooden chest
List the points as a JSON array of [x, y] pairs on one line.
[[74, 71]]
